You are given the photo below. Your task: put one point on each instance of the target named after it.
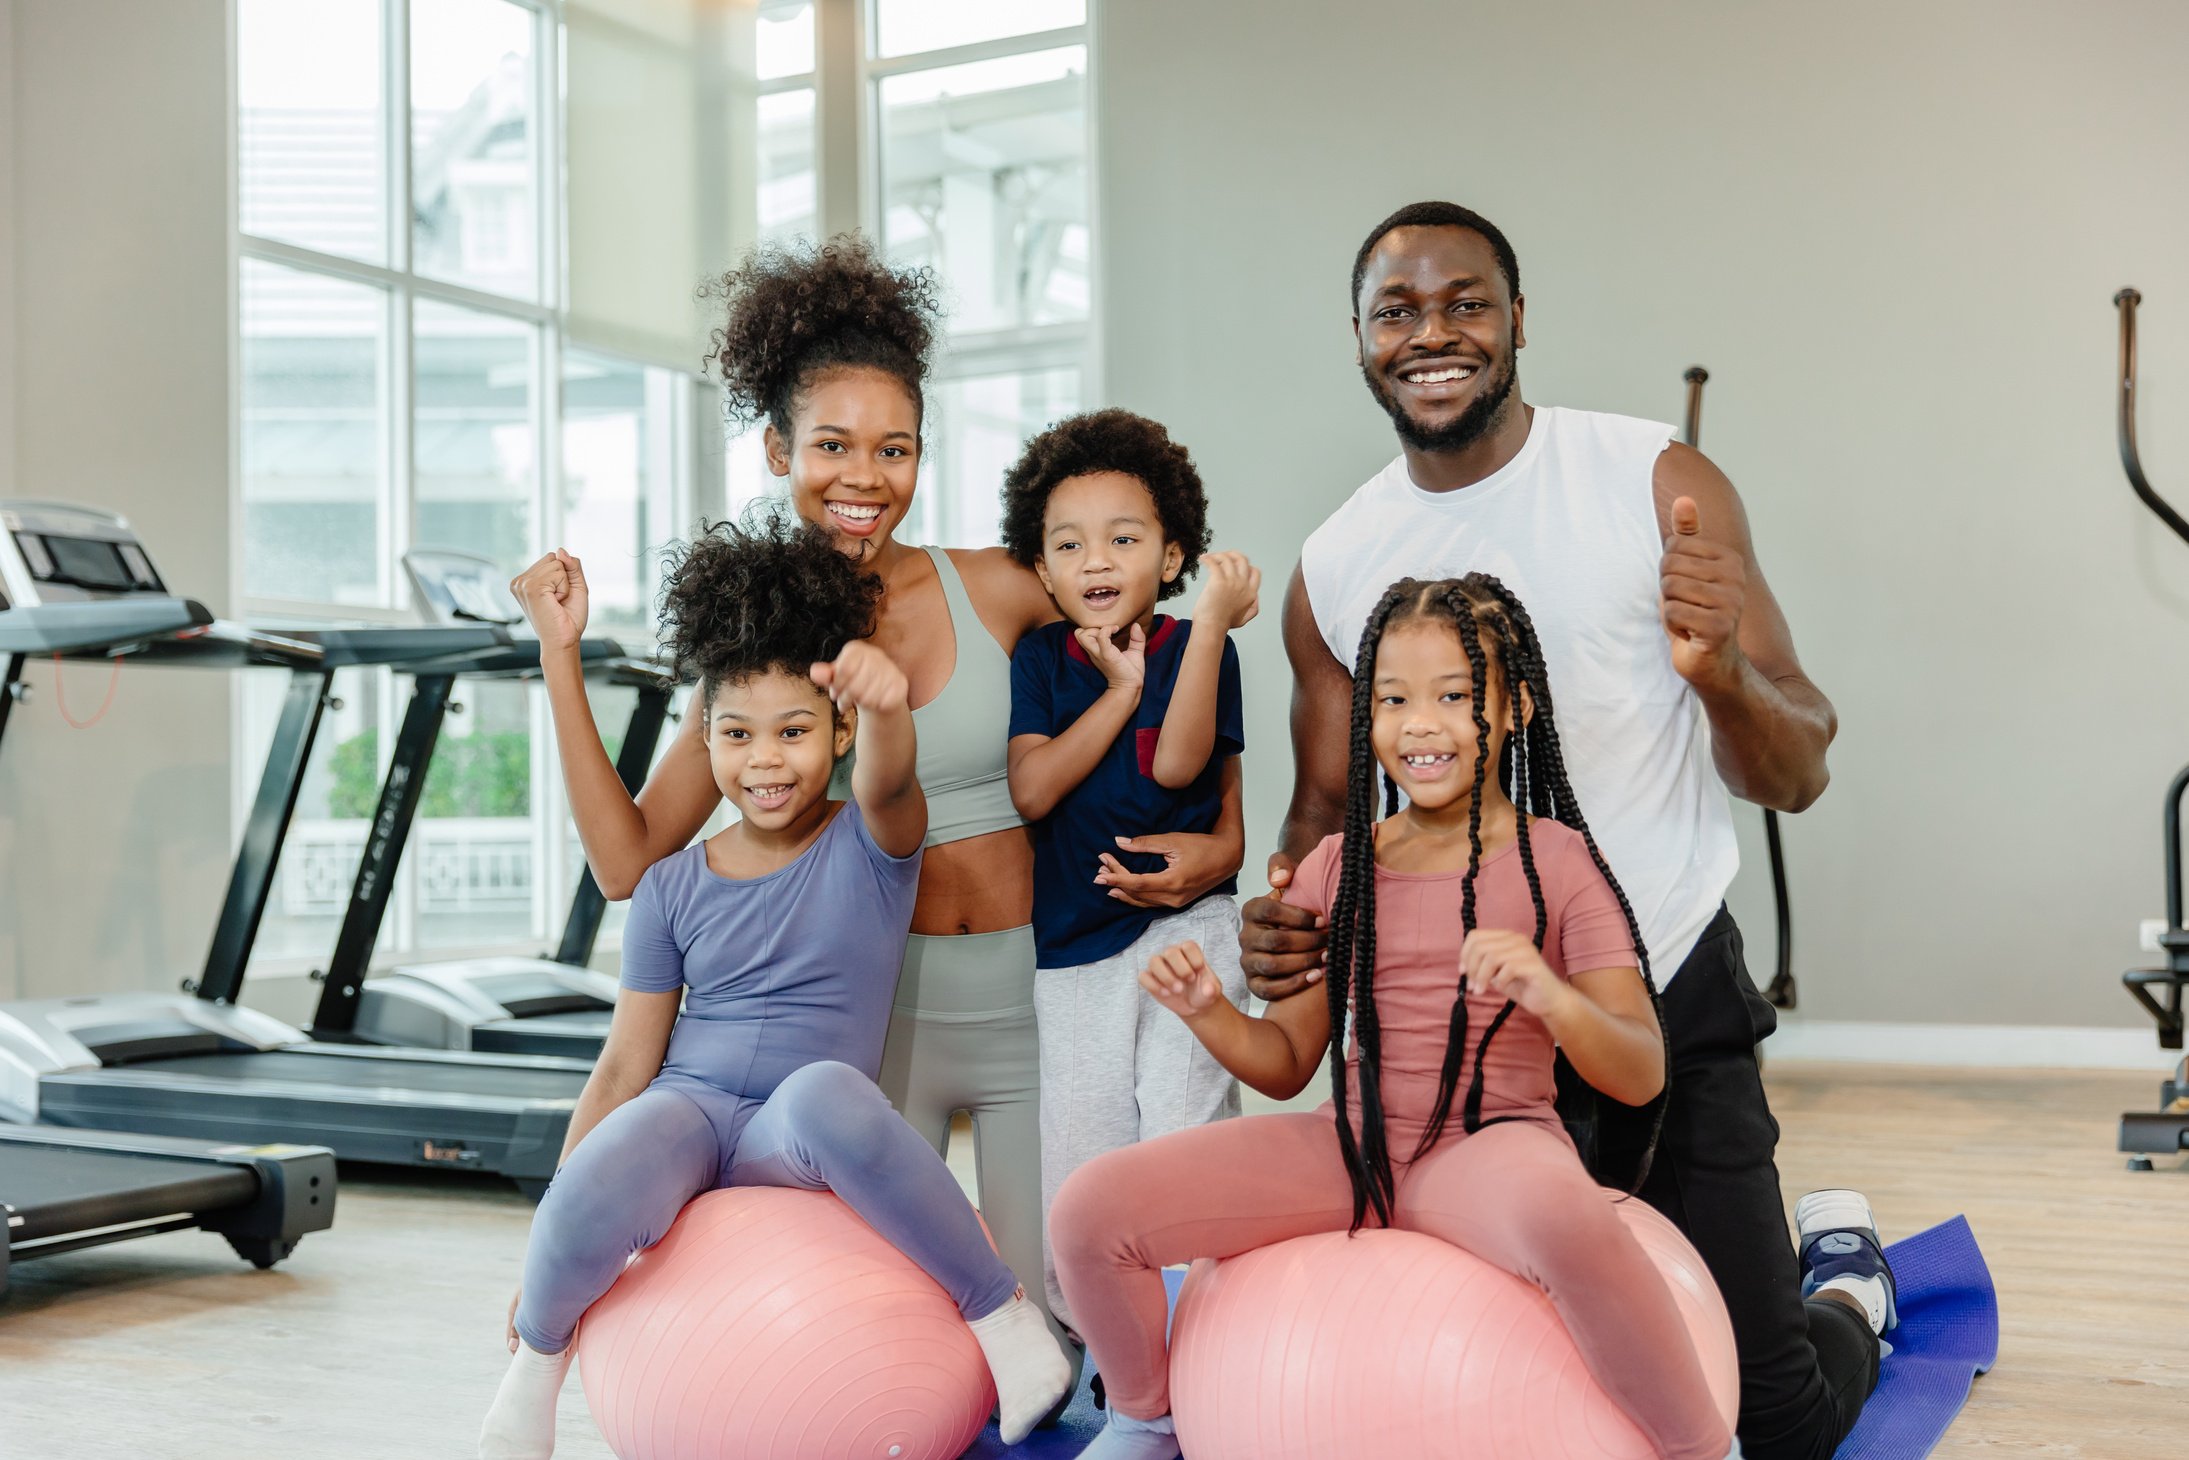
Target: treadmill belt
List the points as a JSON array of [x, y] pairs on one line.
[[58, 1190], [436, 1077]]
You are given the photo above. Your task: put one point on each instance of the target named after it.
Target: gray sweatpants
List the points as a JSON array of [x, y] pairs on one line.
[[1116, 1066]]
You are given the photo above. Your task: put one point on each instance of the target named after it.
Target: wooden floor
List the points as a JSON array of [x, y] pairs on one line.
[[381, 1340]]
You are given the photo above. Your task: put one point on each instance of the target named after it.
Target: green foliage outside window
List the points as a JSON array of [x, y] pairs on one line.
[[488, 774]]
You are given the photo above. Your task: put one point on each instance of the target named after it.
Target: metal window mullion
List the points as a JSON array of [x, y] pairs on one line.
[[396, 132], [399, 519], [1092, 364], [777, 85], [989, 50], [395, 537], [841, 144], [356, 271], [545, 804], [550, 279]]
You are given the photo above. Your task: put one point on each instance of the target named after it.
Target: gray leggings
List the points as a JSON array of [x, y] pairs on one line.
[[825, 1128], [961, 1037]]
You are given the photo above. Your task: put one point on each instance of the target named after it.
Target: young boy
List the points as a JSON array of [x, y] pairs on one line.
[[1121, 722]]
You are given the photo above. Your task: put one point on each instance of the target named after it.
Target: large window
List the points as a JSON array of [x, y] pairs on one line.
[[970, 143], [429, 355], [469, 236]]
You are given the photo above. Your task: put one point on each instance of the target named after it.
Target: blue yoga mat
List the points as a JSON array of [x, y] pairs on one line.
[[1947, 1335]]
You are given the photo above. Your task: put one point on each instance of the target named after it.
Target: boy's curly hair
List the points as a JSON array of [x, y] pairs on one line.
[[792, 312], [1109, 440], [770, 592]]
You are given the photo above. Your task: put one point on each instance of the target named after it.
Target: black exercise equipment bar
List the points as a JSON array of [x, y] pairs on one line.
[[2165, 1130], [1782, 992]]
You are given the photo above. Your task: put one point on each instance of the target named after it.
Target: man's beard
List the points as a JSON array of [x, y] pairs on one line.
[[1464, 429]]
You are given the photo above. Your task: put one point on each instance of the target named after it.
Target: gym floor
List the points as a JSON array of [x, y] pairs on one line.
[[383, 1337]]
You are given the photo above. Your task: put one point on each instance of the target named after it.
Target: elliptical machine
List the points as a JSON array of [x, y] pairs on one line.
[[2158, 990]]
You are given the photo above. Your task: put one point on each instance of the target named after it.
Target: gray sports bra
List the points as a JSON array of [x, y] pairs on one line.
[[963, 732]]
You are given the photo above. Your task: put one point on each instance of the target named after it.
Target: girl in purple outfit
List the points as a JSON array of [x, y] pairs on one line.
[[780, 939]]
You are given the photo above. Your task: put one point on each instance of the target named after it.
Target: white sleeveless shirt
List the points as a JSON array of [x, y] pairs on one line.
[[1570, 525]]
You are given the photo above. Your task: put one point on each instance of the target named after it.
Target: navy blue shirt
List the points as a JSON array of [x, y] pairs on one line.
[[1052, 685]]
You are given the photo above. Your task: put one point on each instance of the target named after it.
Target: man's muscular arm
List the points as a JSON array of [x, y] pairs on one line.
[[1281, 947], [1769, 725]]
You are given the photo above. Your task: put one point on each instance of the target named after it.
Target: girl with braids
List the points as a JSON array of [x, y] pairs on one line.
[[766, 1077], [1470, 932], [828, 346]]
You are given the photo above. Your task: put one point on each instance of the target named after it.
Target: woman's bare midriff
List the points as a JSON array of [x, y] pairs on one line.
[[982, 884]]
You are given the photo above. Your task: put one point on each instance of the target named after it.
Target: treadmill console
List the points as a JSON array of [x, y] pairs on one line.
[[459, 588], [51, 552]]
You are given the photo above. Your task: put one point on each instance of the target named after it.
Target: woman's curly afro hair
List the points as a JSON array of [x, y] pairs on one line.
[[1111, 440], [794, 312], [771, 592]]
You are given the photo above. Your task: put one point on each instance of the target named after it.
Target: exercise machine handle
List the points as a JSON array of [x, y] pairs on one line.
[[2131, 461], [1783, 992]]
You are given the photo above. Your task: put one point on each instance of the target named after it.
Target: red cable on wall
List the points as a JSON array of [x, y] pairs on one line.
[[60, 695]]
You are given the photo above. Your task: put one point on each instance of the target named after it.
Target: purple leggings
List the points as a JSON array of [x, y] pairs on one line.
[[825, 1128]]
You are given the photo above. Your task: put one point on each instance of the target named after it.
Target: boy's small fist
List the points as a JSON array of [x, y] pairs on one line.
[[1231, 591]]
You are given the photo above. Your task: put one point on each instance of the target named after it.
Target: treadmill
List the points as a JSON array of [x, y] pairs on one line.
[[64, 1190], [60, 1190], [195, 1064], [548, 1005]]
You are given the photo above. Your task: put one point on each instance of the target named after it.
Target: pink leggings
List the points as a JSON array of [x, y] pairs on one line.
[[1513, 1194]]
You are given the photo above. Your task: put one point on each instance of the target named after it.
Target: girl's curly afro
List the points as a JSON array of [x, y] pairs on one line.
[[768, 593], [793, 312], [1108, 440]]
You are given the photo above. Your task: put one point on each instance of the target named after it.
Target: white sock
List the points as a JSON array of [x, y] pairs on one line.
[[1125, 1438], [521, 1425], [1868, 1291], [1031, 1371]]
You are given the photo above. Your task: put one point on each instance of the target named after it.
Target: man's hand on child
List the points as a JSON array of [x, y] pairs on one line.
[[1125, 668], [1505, 962], [1281, 946], [553, 596], [1231, 592], [1180, 979], [863, 678]]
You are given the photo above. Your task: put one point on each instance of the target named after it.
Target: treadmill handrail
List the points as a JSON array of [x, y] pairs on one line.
[[2132, 460]]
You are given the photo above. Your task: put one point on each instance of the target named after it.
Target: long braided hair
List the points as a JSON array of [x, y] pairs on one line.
[[1531, 769]]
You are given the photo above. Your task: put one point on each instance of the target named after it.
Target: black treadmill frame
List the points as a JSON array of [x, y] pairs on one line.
[[342, 991], [516, 1134]]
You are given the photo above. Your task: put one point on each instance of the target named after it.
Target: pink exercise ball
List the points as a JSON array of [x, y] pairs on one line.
[[774, 1324], [1394, 1343]]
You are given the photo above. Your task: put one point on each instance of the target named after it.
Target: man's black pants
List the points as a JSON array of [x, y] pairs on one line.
[[1806, 1368]]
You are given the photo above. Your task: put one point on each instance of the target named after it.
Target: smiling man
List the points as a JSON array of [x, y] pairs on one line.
[[1674, 678]]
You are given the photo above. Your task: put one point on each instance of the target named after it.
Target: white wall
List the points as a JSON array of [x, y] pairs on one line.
[[114, 267], [1892, 233]]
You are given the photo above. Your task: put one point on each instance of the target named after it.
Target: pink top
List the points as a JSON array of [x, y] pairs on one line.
[[1417, 972]]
